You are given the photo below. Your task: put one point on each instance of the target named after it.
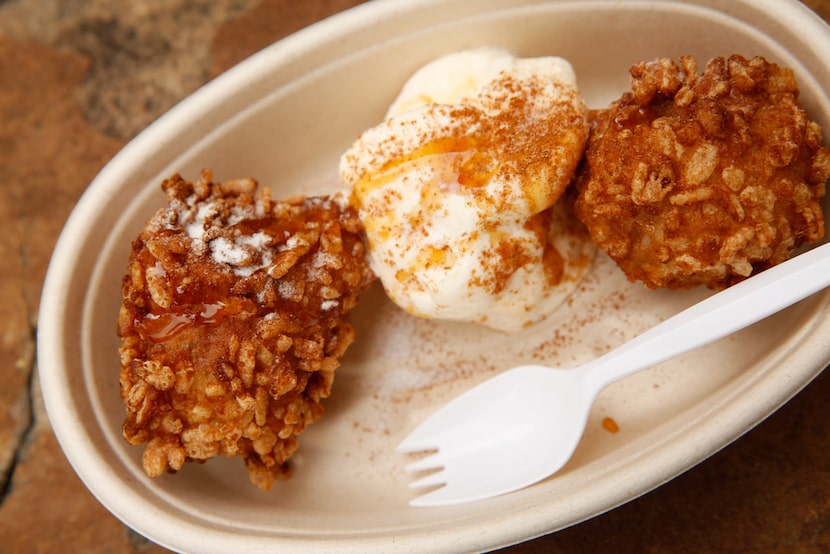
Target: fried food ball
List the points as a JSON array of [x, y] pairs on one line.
[[233, 322], [701, 179]]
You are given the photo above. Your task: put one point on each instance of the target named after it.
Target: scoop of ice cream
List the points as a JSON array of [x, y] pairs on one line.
[[455, 189]]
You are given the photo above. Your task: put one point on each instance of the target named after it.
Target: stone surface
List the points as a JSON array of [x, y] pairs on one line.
[[78, 78], [144, 56], [48, 154]]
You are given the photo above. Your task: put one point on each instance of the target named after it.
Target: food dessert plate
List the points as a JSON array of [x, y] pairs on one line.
[[284, 116]]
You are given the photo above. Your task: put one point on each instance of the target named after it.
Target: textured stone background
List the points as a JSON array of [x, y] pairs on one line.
[[78, 79]]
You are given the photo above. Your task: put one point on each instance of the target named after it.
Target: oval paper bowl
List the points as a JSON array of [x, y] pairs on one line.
[[283, 117]]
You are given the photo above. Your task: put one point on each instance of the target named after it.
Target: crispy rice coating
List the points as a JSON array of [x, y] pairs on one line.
[[701, 179], [233, 323]]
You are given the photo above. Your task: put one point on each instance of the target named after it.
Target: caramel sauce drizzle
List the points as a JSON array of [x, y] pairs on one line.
[[160, 327]]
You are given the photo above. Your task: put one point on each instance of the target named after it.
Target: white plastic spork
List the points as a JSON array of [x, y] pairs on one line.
[[523, 425]]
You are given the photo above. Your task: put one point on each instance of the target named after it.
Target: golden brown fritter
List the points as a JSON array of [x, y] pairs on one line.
[[232, 323], [694, 179]]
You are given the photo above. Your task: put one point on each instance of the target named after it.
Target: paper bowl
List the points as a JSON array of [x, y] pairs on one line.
[[284, 116]]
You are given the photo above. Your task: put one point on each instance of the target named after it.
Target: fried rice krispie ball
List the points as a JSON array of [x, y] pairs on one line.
[[233, 323], [701, 179]]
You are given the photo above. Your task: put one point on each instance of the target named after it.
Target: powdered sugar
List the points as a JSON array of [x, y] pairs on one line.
[[209, 225], [195, 223], [288, 291], [329, 305], [247, 253]]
